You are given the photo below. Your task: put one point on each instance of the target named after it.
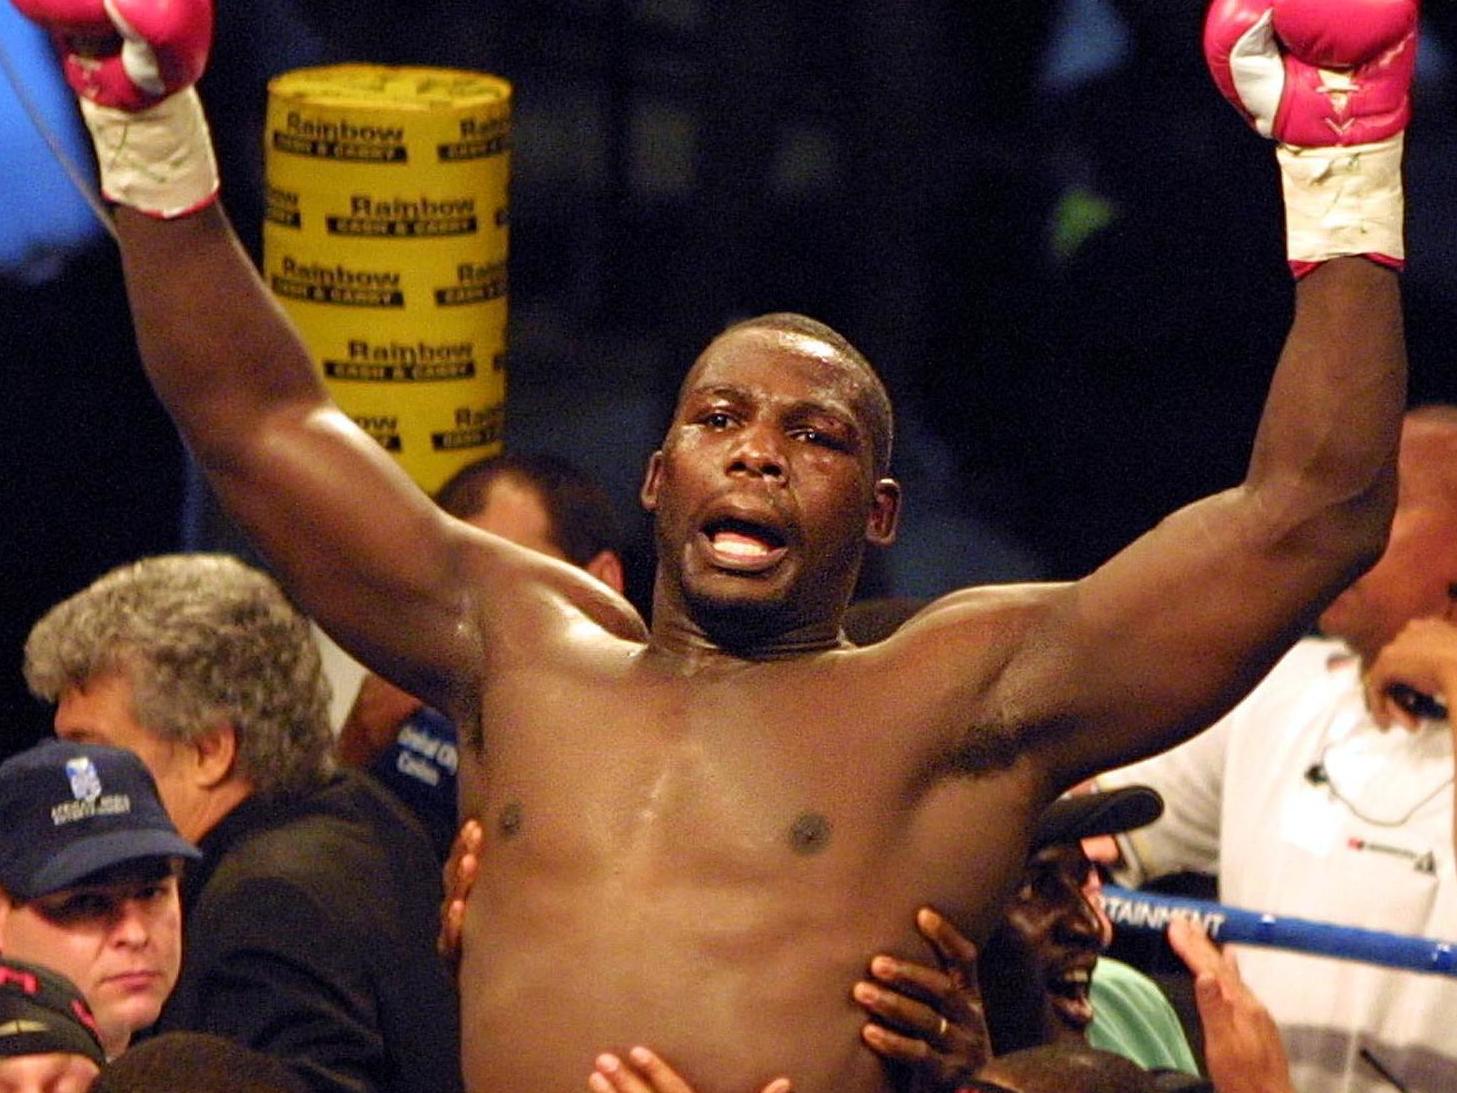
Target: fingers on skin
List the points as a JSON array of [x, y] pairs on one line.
[[465, 875], [642, 1072], [470, 837], [919, 1036], [459, 875], [910, 978], [460, 872], [892, 1045], [646, 1072], [661, 1077], [953, 948], [448, 943], [613, 1076], [897, 1009], [464, 858]]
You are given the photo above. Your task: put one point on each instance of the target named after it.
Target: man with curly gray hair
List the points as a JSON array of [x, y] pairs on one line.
[[200, 641], [313, 912]]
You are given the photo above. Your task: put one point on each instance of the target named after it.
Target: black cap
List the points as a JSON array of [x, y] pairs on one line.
[[1083, 815], [68, 810], [42, 1012]]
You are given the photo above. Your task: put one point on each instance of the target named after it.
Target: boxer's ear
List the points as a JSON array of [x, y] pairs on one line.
[[652, 479], [885, 508]]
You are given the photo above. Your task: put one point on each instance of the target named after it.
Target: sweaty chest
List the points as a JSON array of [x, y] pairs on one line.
[[714, 775], [767, 814]]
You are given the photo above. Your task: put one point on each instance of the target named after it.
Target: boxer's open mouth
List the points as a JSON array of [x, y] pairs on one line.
[[743, 546]]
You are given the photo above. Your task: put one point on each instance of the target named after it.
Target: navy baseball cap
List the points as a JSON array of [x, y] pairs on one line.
[[42, 1012], [68, 810]]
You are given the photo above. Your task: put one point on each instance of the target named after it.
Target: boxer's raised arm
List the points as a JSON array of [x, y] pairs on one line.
[[1171, 631], [347, 532]]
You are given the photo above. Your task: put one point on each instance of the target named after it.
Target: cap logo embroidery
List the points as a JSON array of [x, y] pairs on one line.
[[86, 789], [85, 779]]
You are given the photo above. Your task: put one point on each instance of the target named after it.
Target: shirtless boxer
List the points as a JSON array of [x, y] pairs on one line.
[[697, 835]]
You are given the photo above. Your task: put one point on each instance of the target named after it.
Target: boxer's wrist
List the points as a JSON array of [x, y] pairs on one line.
[[1343, 201], [159, 160]]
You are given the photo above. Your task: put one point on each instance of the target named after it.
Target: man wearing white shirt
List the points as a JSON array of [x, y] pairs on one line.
[[1307, 803]]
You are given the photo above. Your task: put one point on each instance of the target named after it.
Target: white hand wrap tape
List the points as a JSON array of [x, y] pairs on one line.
[[158, 160]]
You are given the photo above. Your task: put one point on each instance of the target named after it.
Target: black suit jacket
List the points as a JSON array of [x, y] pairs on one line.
[[309, 933]]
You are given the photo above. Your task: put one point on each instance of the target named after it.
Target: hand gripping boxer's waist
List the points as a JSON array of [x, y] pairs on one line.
[[132, 63], [1331, 81]]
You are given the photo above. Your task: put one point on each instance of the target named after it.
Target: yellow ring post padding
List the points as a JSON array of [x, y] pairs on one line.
[[385, 239]]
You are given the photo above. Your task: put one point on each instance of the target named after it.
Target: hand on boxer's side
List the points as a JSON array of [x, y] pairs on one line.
[[1330, 80], [133, 64], [459, 877], [930, 1018], [643, 1071]]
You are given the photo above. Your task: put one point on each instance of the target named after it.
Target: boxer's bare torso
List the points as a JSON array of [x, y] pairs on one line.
[[716, 841], [697, 837], [703, 859]]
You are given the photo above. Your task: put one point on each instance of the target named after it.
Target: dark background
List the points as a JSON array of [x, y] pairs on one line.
[[1059, 245]]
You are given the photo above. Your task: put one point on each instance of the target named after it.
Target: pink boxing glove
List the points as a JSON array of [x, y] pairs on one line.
[[126, 54], [1330, 80], [133, 64], [1315, 73]]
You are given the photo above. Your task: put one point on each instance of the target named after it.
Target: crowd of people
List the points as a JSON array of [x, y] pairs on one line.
[[752, 838]]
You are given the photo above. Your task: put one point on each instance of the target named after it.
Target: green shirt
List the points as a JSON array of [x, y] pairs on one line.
[[1132, 1018]]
